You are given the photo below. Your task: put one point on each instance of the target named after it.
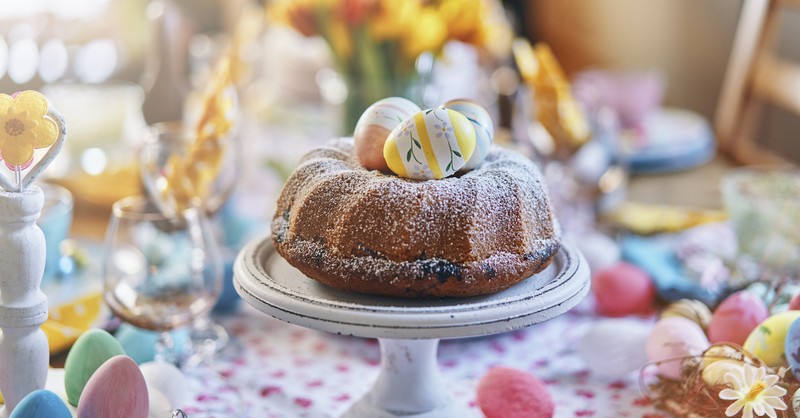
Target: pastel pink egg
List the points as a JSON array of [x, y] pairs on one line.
[[671, 340], [505, 392], [794, 304], [116, 390], [736, 317], [375, 125], [623, 289]]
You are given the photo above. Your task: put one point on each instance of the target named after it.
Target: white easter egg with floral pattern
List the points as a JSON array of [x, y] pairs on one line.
[[482, 121], [375, 125], [432, 144]]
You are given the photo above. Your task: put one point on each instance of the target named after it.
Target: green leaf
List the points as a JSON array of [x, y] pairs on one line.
[[457, 153], [428, 112], [449, 166], [416, 143], [408, 156]]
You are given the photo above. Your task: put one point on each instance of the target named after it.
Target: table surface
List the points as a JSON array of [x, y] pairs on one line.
[[275, 369]]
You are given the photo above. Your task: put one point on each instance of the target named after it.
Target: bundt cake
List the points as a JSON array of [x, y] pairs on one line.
[[365, 231]]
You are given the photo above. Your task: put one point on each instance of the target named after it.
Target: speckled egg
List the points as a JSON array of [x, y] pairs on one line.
[[432, 144], [483, 124], [505, 392], [691, 309], [41, 403], [736, 317], [89, 352], [623, 289], [792, 348], [375, 125], [768, 339], [672, 339], [116, 390]]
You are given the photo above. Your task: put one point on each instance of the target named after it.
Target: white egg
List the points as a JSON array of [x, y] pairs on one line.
[[168, 380], [613, 348]]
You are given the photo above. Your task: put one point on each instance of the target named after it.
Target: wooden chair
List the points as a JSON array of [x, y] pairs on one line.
[[755, 76]]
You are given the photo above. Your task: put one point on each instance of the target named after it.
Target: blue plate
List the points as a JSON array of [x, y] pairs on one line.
[[676, 139]]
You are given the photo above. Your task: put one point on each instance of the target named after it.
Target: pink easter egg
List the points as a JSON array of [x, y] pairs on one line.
[[504, 392], [794, 304], [116, 390], [736, 317], [671, 340], [375, 125], [623, 289]]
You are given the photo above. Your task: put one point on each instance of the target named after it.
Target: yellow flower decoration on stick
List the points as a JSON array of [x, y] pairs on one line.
[[25, 127], [27, 124]]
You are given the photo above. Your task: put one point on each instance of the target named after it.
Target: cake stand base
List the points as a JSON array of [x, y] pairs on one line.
[[409, 383]]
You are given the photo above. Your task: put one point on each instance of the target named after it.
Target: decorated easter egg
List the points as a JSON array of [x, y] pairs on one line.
[[41, 403], [116, 390], [481, 121], [691, 309], [431, 144], [795, 405], [768, 339], [792, 348], [90, 350], [736, 317], [375, 125], [714, 373], [623, 289], [614, 347], [168, 380], [505, 392], [671, 340]]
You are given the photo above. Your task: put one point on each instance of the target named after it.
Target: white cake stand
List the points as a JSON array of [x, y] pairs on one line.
[[409, 383]]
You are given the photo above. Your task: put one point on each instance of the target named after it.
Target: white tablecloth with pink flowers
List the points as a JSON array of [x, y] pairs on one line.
[[273, 369]]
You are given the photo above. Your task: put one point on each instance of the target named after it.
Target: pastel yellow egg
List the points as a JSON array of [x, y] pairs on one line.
[[767, 341], [375, 125], [483, 124], [432, 144]]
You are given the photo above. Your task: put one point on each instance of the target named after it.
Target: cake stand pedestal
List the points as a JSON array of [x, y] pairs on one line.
[[409, 383]]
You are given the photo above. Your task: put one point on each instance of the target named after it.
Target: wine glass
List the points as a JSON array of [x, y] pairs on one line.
[[180, 174], [158, 274]]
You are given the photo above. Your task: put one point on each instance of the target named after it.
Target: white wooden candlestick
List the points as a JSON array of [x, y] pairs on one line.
[[23, 307]]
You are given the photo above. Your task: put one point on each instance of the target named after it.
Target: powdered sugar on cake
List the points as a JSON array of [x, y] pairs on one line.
[[367, 231]]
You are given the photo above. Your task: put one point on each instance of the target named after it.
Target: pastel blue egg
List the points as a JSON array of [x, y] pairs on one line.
[[792, 347], [41, 403]]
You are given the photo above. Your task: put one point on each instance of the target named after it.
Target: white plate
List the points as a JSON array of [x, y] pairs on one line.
[[273, 286]]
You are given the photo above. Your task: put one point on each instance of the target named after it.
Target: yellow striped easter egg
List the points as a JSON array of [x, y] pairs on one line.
[[432, 144]]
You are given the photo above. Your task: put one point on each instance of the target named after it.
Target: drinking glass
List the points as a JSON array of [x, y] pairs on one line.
[[764, 207], [158, 274], [179, 174]]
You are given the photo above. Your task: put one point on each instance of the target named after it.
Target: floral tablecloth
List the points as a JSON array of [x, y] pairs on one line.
[[273, 369]]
